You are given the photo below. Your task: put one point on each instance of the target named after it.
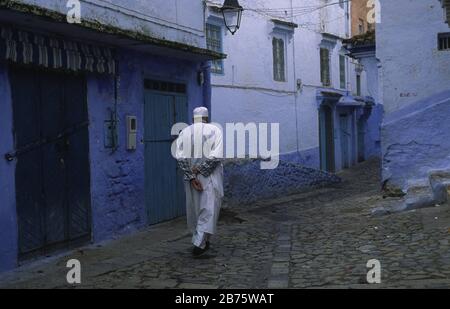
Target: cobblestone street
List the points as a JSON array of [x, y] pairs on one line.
[[320, 239]]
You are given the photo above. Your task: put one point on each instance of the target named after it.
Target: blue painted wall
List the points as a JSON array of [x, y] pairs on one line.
[[415, 129], [373, 132], [8, 220], [308, 158], [415, 141], [288, 178], [117, 178]]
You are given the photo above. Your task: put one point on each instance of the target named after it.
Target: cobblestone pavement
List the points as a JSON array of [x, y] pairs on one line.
[[320, 239]]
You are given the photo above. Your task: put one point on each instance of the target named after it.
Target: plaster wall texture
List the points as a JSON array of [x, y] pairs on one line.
[[372, 88], [413, 67], [415, 84], [423, 145], [118, 178], [174, 20]]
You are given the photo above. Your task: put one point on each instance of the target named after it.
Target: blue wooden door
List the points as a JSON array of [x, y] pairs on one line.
[[52, 160], [361, 140], [326, 132], [164, 192], [345, 137]]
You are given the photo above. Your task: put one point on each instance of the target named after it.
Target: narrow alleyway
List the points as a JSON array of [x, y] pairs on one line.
[[320, 239]]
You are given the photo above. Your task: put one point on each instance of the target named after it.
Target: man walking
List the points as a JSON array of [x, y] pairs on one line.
[[199, 153]]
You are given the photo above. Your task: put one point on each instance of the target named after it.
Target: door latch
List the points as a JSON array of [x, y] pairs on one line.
[[9, 157]]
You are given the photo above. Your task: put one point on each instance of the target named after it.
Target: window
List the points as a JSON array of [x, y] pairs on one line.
[[164, 86], [342, 71], [214, 43], [325, 67], [278, 60], [358, 85], [361, 27], [444, 41]]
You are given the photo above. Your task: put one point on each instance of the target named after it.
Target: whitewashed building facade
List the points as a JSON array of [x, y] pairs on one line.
[[413, 45], [287, 65]]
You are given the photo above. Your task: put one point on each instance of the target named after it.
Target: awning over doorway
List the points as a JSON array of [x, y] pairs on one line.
[[342, 99], [25, 47]]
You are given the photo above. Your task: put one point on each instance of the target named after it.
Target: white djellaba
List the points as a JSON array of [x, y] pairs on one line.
[[196, 144]]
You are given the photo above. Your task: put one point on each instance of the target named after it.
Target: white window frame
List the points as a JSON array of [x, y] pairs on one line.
[[330, 73], [361, 26], [328, 42], [221, 31], [284, 38]]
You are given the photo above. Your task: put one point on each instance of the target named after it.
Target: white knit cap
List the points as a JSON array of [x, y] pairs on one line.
[[201, 112]]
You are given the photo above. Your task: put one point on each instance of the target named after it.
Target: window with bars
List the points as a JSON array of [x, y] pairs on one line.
[[342, 71], [361, 26], [358, 85], [278, 60], [214, 42], [444, 41], [325, 67], [164, 86]]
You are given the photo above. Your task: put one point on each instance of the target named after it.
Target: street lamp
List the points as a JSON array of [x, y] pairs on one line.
[[232, 13]]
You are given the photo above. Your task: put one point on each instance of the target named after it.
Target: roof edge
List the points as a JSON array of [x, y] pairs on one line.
[[108, 29]]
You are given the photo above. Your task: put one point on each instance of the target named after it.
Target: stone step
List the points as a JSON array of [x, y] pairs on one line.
[[419, 197], [440, 185]]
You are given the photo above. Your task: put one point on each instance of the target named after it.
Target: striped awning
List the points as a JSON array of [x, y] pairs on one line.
[[30, 48]]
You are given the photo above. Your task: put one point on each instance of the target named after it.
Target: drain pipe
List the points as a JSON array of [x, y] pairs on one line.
[[295, 85], [207, 91]]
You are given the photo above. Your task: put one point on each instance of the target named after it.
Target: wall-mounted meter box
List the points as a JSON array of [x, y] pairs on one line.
[[131, 132]]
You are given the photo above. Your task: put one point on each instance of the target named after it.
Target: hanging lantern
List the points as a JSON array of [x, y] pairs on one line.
[[232, 13]]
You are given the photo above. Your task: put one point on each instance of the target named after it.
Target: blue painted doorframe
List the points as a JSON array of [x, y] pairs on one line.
[[164, 187]]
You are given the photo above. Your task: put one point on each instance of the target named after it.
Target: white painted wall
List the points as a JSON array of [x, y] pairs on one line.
[[175, 20], [413, 68], [246, 92], [371, 73]]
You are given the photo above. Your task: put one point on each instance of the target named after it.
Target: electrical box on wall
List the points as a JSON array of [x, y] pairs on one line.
[[131, 132]]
